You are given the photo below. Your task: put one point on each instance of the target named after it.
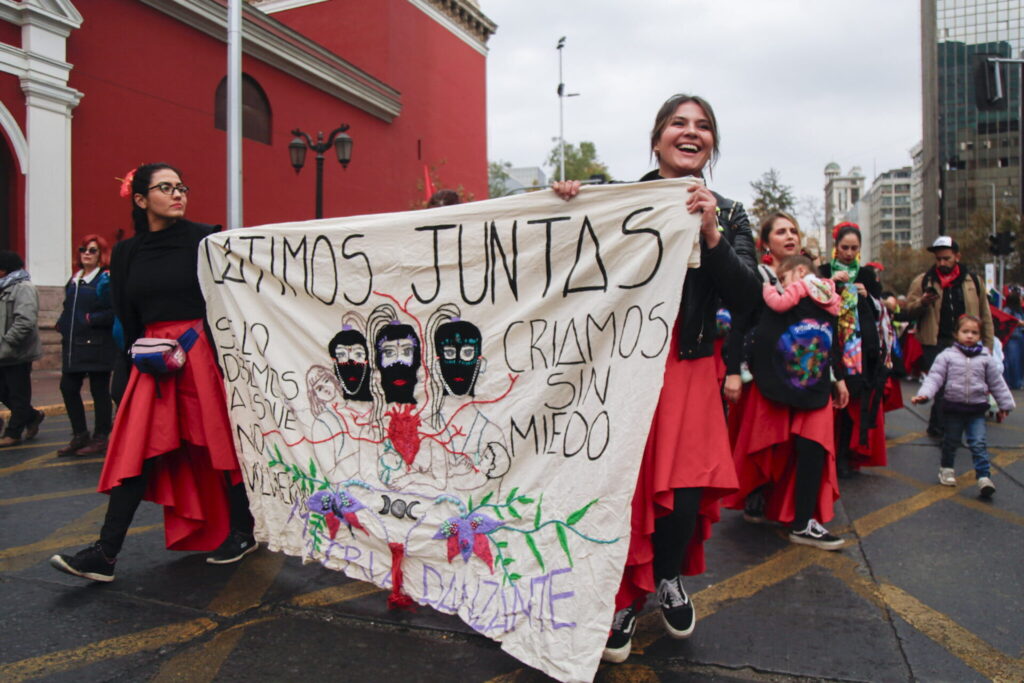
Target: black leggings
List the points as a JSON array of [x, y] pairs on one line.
[[672, 533], [125, 499], [810, 463], [99, 387]]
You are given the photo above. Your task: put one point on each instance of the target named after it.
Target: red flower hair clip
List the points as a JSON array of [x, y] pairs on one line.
[[840, 226], [126, 183]]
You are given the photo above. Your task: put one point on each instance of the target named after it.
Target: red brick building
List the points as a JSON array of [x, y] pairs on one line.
[[91, 88]]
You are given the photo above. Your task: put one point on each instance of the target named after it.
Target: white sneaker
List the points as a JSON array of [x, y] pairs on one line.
[[947, 477], [987, 488]]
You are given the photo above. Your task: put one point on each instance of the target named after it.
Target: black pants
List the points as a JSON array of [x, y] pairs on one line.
[[16, 394], [119, 378], [125, 499], [810, 463], [99, 387], [672, 533]]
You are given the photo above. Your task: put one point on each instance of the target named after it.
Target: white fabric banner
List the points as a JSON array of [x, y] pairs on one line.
[[468, 388]]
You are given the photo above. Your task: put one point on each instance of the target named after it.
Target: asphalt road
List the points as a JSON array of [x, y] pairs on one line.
[[930, 587]]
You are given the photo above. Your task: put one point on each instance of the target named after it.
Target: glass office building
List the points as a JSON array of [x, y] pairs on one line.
[[970, 155]]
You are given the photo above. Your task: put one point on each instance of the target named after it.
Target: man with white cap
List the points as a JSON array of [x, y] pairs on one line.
[[936, 299]]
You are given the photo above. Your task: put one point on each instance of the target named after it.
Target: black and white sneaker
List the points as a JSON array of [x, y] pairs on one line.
[[620, 637], [88, 563], [816, 535], [236, 546], [677, 611]]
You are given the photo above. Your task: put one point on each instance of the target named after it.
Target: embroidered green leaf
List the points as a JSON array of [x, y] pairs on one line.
[[536, 553], [471, 502], [486, 498], [515, 513], [536, 517], [312, 468], [497, 511], [578, 515], [514, 577], [502, 544], [507, 561], [524, 500], [511, 495], [564, 542]]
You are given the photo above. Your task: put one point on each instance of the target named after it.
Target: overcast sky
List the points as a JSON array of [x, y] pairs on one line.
[[795, 83]]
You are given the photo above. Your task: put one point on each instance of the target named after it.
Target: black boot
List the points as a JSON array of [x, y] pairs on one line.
[[77, 442]]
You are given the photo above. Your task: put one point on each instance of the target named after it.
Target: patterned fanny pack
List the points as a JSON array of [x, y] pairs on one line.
[[157, 356]]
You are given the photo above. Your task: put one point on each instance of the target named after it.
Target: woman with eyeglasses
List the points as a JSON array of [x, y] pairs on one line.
[[171, 442], [87, 348]]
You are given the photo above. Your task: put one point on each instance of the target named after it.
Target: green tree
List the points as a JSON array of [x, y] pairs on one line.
[[974, 243], [497, 178], [581, 161], [902, 264], [771, 195]]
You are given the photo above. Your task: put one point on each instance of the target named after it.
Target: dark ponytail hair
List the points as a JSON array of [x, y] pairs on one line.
[[140, 185]]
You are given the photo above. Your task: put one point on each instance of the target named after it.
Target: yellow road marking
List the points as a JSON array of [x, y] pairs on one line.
[[906, 438], [779, 567], [250, 581], [63, 462], [29, 464], [47, 496], [120, 646], [958, 641], [335, 594], [202, 662], [629, 673], [873, 521], [24, 556]]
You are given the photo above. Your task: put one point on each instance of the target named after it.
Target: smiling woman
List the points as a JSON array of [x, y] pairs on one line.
[[686, 466]]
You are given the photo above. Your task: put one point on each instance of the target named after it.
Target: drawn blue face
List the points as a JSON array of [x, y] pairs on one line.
[[805, 348]]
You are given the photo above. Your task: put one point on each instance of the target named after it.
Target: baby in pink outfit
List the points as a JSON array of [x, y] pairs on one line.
[[797, 276]]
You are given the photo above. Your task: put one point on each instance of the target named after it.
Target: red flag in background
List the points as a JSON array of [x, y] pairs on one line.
[[428, 184], [1004, 323]]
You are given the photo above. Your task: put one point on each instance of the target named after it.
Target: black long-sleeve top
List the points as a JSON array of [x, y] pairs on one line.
[[154, 277]]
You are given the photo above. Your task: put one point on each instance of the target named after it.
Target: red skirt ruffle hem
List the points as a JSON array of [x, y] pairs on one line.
[[186, 433], [687, 447], [762, 432], [872, 453]]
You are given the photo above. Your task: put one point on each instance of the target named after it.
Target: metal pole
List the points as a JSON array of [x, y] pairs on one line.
[[320, 146], [561, 116], [234, 114]]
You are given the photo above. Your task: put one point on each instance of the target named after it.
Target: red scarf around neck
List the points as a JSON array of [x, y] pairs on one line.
[[947, 280]]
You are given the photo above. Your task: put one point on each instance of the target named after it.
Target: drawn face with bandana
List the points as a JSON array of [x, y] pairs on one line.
[[351, 363], [458, 345], [398, 359]]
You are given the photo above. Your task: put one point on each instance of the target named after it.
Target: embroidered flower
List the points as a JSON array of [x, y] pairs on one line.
[[467, 536], [334, 505]]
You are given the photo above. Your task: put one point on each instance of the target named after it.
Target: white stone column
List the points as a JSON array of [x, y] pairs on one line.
[[45, 27]]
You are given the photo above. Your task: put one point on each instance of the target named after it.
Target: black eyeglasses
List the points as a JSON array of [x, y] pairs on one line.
[[88, 250], [168, 188]]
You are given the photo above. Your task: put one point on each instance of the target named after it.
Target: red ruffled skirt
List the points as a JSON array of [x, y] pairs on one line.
[[762, 434], [892, 399], [872, 453], [184, 429], [687, 447]]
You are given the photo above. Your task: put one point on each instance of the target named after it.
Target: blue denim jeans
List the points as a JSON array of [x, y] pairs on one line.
[[972, 426]]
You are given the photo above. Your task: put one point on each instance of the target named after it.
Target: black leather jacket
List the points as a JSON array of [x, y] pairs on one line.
[[727, 276]]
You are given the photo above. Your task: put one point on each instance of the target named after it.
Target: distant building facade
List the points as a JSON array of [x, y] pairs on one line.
[[967, 154], [842, 192], [917, 196], [888, 202]]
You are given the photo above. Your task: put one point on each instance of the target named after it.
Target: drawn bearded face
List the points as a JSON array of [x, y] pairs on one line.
[[457, 345], [351, 363], [398, 360]]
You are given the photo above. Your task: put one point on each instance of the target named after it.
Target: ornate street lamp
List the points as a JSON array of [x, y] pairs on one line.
[[297, 153]]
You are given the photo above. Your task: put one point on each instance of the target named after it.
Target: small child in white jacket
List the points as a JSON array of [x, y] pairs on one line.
[[966, 372]]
